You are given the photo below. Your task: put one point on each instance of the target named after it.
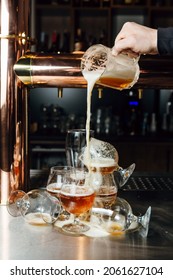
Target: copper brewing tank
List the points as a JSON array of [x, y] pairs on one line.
[[14, 42]]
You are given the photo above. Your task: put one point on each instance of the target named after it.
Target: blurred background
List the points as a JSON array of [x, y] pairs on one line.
[[138, 122]]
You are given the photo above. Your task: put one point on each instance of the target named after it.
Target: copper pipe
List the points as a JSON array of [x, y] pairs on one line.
[[41, 70], [156, 72], [13, 98], [58, 70], [50, 70]]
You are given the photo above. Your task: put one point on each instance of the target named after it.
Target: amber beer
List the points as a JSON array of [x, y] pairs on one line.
[[117, 83], [105, 200], [53, 189], [106, 195], [104, 166], [78, 203], [104, 169]]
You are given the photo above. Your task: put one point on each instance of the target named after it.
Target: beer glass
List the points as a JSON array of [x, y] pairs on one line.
[[77, 197], [54, 183], [120, 218], [37, 206], [56, 178], [104, 164], [119, 72], [75, 142]]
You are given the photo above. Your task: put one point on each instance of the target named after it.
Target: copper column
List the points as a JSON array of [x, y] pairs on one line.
[[14, 43]]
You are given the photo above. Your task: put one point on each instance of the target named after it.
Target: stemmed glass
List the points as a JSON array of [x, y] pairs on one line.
[[120, 218], [77, 197], [54, 183], [56, 178], [105, 154], [37, 206], [123, 174]]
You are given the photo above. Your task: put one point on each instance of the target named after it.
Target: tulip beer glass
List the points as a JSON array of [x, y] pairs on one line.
[[77, 197]]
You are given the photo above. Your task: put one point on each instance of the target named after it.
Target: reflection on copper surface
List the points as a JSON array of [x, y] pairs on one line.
[[41, 70], [50, 70], [13, 99], [17, 157], [63, 70]]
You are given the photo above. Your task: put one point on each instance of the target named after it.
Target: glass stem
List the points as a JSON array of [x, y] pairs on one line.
[[76, 220]]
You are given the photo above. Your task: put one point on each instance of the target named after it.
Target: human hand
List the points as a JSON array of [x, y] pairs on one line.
[[135, 39]]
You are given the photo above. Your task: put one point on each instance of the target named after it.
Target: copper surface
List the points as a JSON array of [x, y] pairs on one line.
[[13, 98], [63, 70], [20, 68], [50, 70]]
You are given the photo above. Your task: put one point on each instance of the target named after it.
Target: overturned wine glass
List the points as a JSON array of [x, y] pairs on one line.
[[37, 206], [102, 157], [120, 218], [122, 175]]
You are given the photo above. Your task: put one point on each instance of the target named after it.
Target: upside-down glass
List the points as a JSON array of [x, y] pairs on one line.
[[75, 141], [37, 206], [77, 197], [119, 72], [102, 162]]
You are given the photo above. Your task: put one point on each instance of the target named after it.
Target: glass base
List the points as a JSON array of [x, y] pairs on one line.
[[74, 228], [14, 203]]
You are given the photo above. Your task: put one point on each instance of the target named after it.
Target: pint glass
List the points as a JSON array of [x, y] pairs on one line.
[[75, 141]]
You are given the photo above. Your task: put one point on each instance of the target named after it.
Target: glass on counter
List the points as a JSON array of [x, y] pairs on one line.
[[37, 206]]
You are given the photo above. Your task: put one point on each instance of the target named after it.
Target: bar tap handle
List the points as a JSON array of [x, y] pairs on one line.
[[100, 93], [60, 92], [140, 93]]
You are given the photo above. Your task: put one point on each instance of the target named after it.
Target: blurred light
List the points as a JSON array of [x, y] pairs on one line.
[[133, 103]]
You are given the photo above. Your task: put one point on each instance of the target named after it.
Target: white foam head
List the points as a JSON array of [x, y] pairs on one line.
[[100, 153], [102, 162]]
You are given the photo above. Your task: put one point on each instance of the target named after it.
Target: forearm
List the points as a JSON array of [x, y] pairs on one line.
[[165, 41]]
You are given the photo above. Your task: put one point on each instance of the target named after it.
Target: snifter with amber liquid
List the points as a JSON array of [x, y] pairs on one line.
[[101, 159], [77, 197], [101, 163]]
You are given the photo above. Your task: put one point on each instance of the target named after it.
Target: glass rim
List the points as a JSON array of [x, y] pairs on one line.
[[60, 167]]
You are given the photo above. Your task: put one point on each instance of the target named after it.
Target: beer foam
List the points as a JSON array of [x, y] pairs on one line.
[[91, 78], [53, 187], [72, 190], [102, 162], [77, 194], [102, 149], [95, 148], [101, 154]]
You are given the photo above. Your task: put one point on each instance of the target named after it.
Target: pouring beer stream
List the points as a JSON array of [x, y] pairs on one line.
[[99, 66]]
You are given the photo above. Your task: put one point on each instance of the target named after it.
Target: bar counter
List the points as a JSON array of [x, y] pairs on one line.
[[21, 241]]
